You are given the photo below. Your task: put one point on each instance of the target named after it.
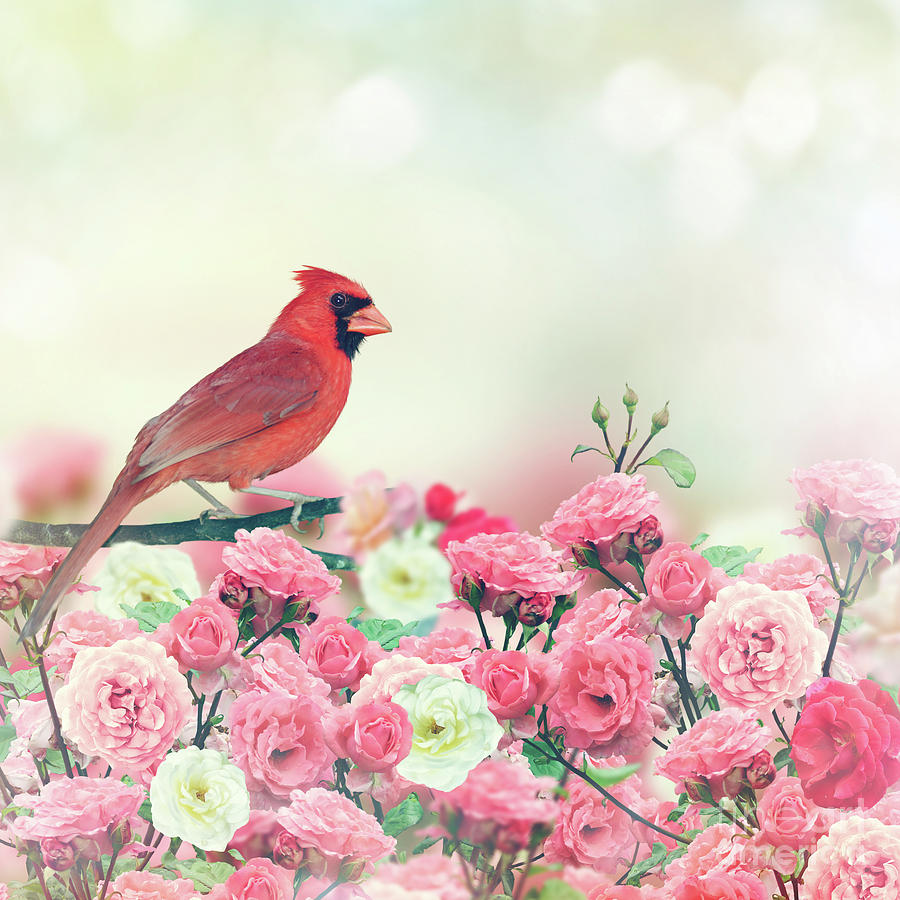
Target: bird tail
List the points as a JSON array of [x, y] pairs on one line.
[[116, 506]]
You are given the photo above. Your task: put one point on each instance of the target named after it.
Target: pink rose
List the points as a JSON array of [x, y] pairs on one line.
[[150, 886], [339, 653], [601, 513], [84, 628], [202, 636], [796, 572], [857, 858], [81, 811], [712, 749], [464, 525], [603, 701], [278, 741], [508, 568], [515, 681], [722, 886], [275, 664], [757, 647], [34, 727], [257, 837], [850, 491], [25, 571], [606, 613], [718, 848], [426, 876], [624, 892], [497, 806], [339, 838], [787, 817], [257, 879], [390, 674], [375, 736], [846, 744], [125, 704], [680, 581], [443, 645]]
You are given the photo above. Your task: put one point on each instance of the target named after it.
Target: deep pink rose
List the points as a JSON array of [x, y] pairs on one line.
[[257, 879], [858, 858], [787, 817], [601, 513], [722, 886], [606, 613], [515, 681], [846, 744], [125, 704], [680, 581], [757, 647], [202, 636], [278, 741], [440, 502], [603, 701], [257, 837], [508, 568], [337, 835], [84, 628], [79, 810], [339, 653], [150, 886], [57, 855], [275, 664], [796, 572], [497, 806], [375, 736], [712, 748], [474, 521], [851, 491]]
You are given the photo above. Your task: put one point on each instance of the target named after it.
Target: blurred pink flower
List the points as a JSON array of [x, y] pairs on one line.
[[372, 513], [84, 628], [625, 892], [440, 502], [257, 879], [470, 522], [125, 703], [757, 647], [601, 513], [796, 572], [339, 839], [136, 885], [257, 837], [374, 736]]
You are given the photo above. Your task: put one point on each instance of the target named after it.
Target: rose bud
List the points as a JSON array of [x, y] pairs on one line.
[[535, 610], [761, 771], [850, 531], [630, 399], [649, 536], [57, 855], [816, 517], [619, 548], [600, 415], [471, 591], [9, 596], [352, 870], [879, 537], [234, 592], [584, 555], [696, 789], [287, 851], [733, 783], [659, 420]]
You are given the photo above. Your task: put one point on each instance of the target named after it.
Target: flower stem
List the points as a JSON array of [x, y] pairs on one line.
[[620, 584], [54, 716], [484, 634]]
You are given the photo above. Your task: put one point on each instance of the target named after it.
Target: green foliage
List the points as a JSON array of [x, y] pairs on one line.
[[678, 467], [539, 762], [657, 854], [401, 817], [584, 448], [422, 846], [607, 777], [848, 623], [557, 889], [7, 736], [783, 760], [150, 614], [204, 874], [181, 595], [731, 559], [24, 682], [386, 631], [700, 539]]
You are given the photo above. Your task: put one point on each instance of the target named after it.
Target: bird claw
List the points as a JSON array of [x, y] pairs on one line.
[[222, 512], [298, 500]]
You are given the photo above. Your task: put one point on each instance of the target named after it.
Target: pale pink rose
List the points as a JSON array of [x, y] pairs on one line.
[[712, 748], [19, 768], [888, 808], [720, 885], [606, 613], [497, 806], [257, 879], [680, 581], [787, 817], [858, 858], [603, 701], [31, 719], [86, 811], [275, 664], [375, 736], [508, 568], [723, 847], [278, 741], [339, 653], [427, 876], [257, 837], [515, 681], [202, 636], [443, 645], [390, 674], [312, 889], [372, 513], [796, 572], [25, 571], [851, 492], [388, 788], [125, 704], [757, 647], [84, 628], [602, 514], [150, 886], [335, 834]]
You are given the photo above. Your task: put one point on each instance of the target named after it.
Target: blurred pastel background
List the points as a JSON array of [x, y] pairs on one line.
[[546, 197]]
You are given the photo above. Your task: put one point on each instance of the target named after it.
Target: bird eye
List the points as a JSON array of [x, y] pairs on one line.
[[338, 301]]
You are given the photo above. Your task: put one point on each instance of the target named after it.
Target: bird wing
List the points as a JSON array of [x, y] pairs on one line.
[[266, 384]]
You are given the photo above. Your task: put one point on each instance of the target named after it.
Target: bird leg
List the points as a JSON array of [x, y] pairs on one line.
[[219, 510], [297, 499]]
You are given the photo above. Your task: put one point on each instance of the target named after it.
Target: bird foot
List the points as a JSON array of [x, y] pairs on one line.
[[298, 500], [218, 512]]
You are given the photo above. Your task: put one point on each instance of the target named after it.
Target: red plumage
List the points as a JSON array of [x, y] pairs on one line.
[[262, 411]]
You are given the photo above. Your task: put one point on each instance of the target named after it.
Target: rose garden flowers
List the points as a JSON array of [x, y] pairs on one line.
[[600, 710]]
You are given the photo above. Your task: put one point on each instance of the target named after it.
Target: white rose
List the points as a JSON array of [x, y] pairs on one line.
[[453, 730], [199, 796], [134, 572], [405, 578]]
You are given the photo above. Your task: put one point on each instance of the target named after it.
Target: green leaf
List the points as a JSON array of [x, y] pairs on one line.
[[404, 816], [181, 595], [613, 775], [145, 811], [679, 468], [848, 623], [299, 877], [24, 682], [355, 612], [783, 758], [731, 559], [422, 846], [150, 614], [540, 763], [7, 736], [205, 875], [697, 541], [386, 631], [657, 855], [583, 448], [557, 889], [53, 759]]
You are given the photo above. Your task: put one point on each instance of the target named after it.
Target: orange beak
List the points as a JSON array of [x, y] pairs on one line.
[[368, 320]]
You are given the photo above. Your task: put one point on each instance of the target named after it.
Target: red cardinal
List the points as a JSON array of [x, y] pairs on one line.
[[262, 411]]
